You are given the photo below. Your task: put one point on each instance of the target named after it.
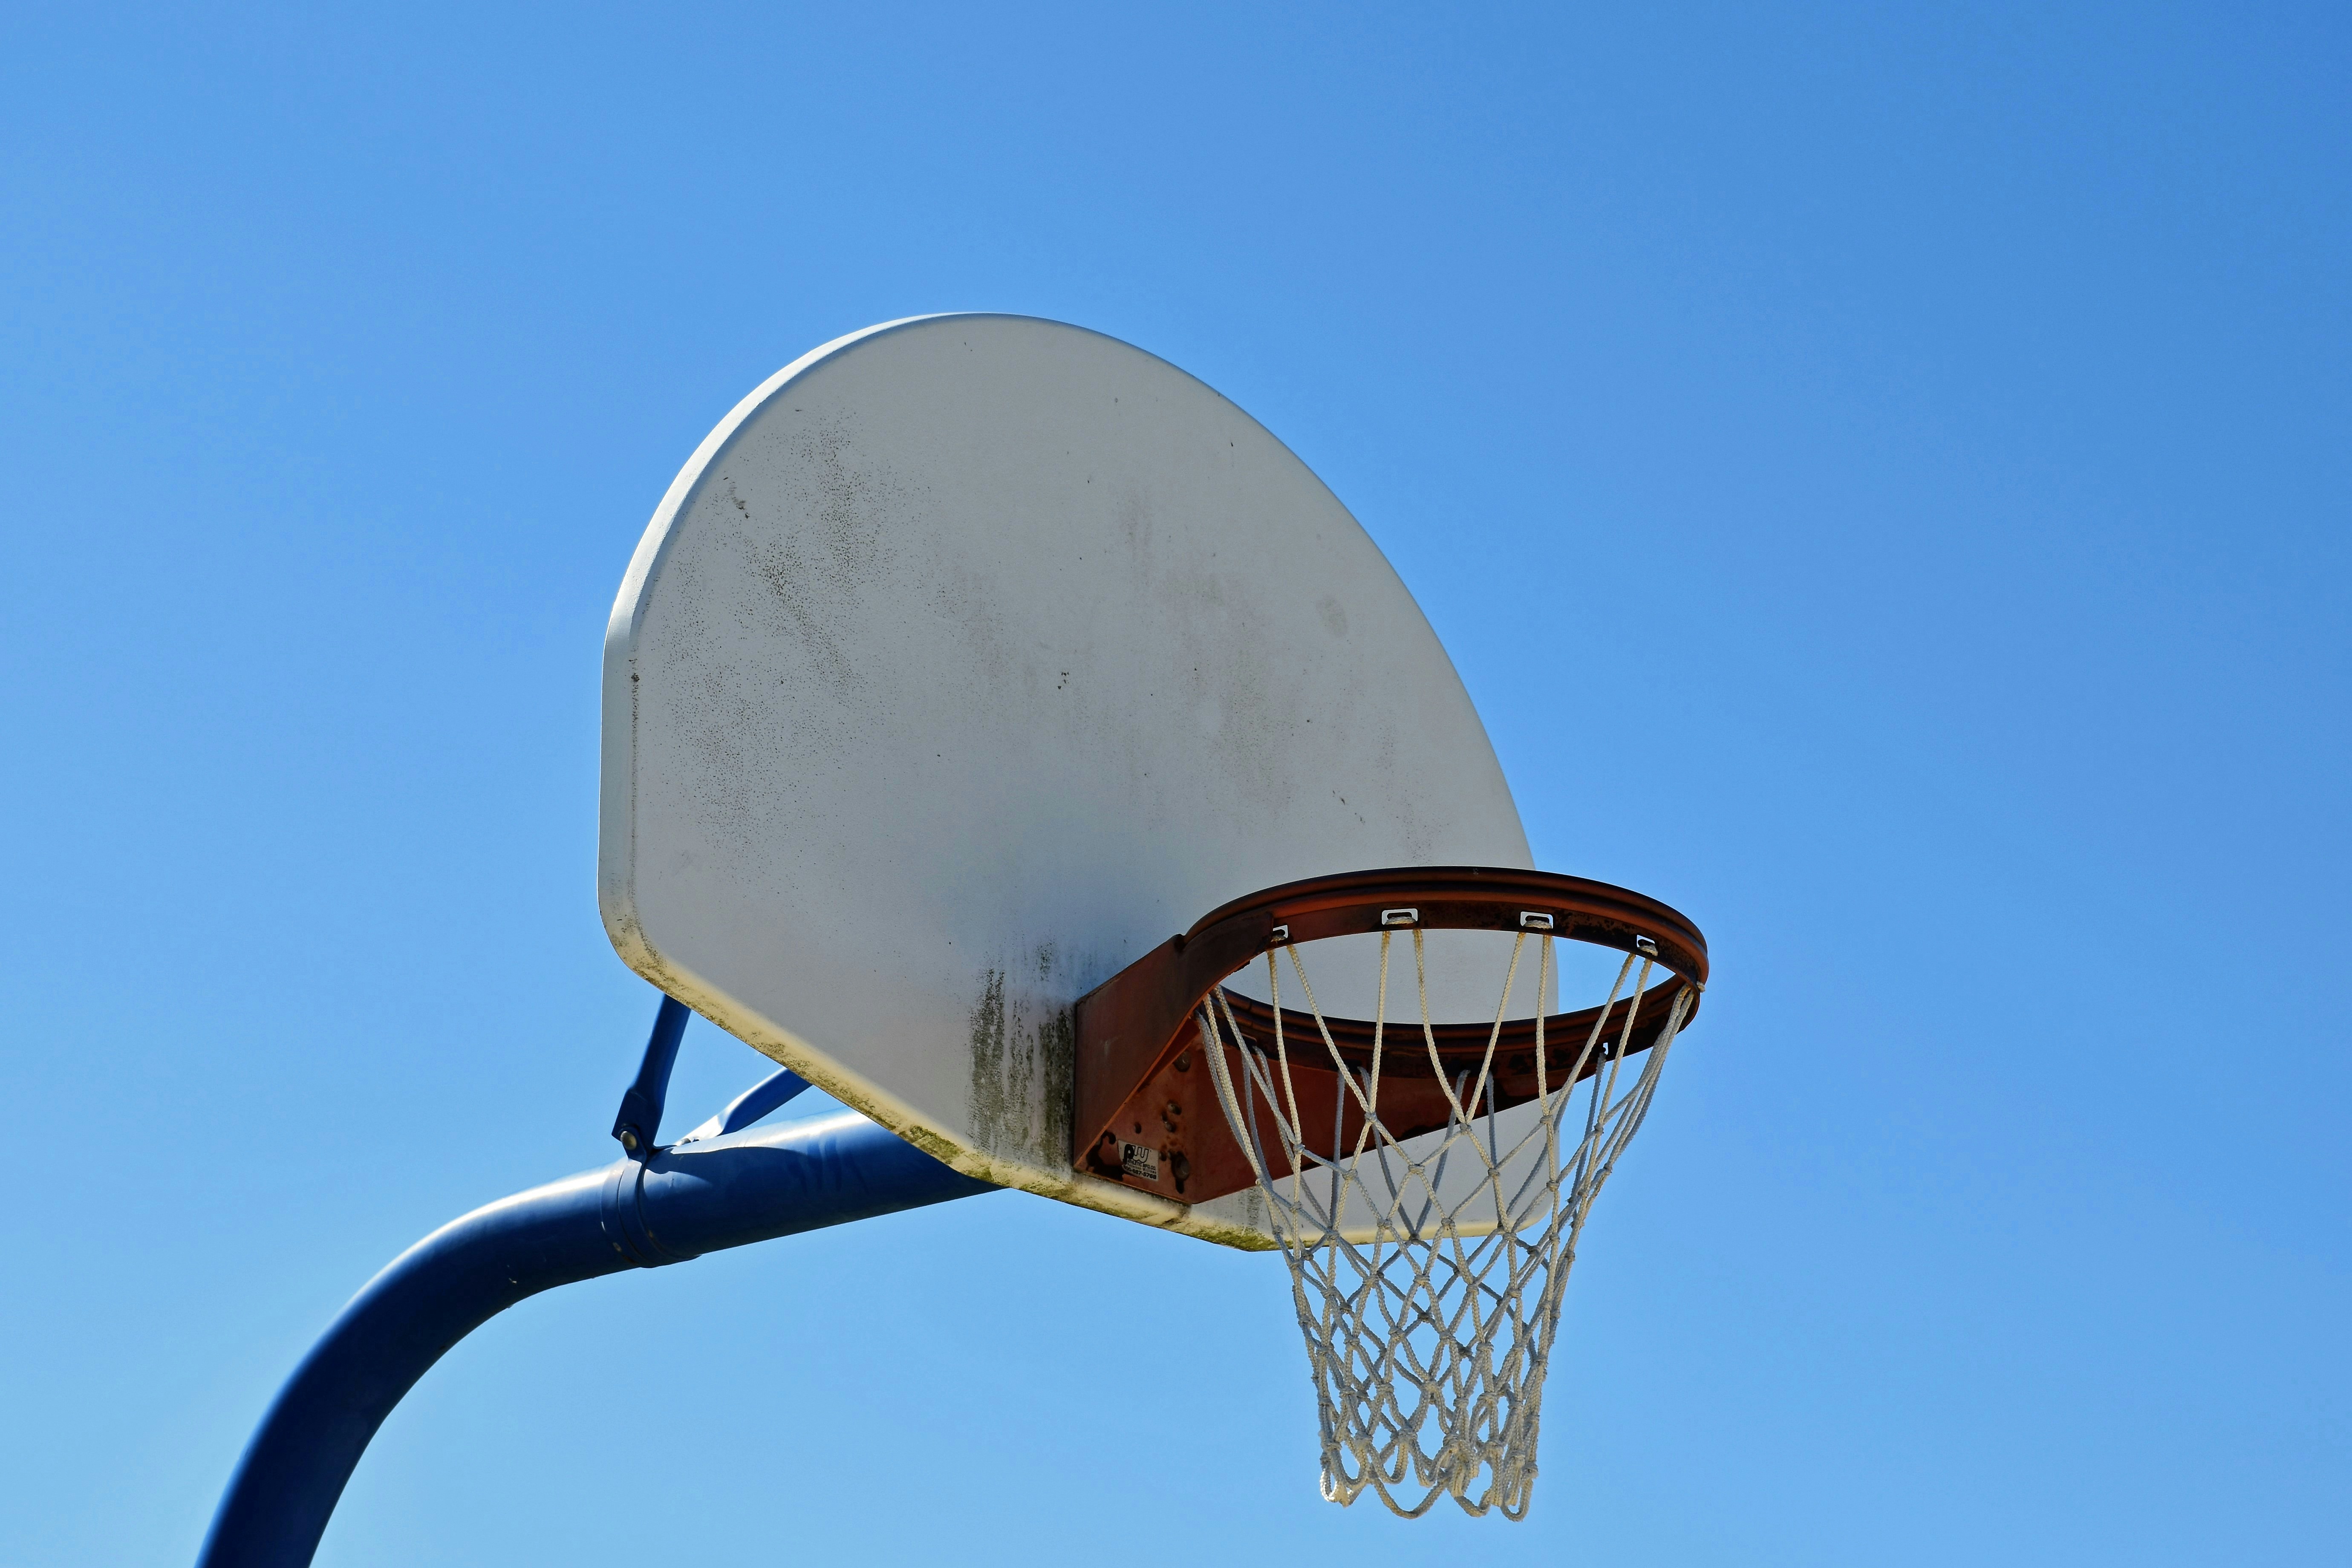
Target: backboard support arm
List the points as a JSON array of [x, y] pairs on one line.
[[669, 1207]]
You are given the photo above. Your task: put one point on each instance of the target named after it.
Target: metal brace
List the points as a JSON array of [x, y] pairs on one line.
[[639, 1121]]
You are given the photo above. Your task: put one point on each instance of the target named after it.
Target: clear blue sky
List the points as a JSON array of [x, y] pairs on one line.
[[1930, 423]]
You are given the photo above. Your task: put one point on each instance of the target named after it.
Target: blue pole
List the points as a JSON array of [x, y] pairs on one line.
[[683, 1202]]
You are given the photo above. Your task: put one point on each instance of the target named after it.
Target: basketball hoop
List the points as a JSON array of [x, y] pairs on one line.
[[966, 650], [1427, 1182]]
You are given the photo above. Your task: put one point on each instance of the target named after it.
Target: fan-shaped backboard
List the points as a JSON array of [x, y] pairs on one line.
[[967, 659]]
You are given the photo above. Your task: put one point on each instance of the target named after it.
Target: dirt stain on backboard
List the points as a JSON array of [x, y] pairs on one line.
[[1023, 1041]]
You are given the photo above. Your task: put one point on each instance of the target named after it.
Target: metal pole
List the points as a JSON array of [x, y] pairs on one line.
[[683, 1202]]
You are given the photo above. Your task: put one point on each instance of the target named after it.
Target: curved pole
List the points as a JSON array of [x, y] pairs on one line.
[[701, 1197]]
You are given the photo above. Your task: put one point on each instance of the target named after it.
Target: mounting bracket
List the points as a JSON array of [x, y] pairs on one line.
[[638, 1123]]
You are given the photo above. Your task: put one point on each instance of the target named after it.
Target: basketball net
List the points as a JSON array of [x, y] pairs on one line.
[[1428, 1273]]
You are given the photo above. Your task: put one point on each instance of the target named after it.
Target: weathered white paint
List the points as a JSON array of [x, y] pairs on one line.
[[967, 658]]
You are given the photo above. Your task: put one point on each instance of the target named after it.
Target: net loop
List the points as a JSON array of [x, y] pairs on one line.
[[1428, 1270]]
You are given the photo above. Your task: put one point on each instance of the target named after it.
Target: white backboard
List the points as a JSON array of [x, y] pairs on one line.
[[971, 656]]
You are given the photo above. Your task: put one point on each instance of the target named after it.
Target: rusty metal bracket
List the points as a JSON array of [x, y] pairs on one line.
[[1143, 1115]]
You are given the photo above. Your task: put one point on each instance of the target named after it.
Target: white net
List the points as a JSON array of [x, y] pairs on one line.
[[1428, 1269]]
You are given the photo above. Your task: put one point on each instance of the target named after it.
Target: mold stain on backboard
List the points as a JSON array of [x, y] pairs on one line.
[[1022, 1045]]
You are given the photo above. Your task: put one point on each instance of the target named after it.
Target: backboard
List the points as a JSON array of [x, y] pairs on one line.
[[965, 661]]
